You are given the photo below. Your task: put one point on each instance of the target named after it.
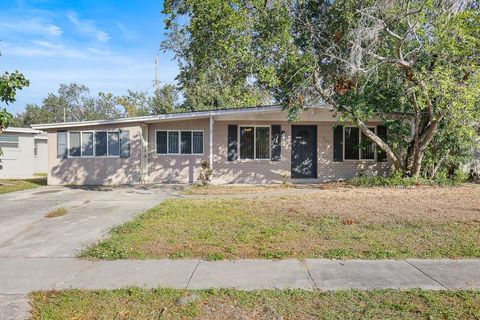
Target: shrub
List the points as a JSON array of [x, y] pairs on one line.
[[206, 173], [398, 180]]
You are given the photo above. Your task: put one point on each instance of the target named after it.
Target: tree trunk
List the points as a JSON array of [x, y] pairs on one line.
[[379, 142], [363, 128]]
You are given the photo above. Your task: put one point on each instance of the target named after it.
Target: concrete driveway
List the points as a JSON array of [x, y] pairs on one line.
[[26, 232]]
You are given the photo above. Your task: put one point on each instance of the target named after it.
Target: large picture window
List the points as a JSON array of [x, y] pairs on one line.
[[179, 142], [94, 143], [357, 145], [254, 142]]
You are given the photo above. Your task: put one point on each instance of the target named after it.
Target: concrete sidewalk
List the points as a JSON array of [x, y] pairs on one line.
[[19, 276], [23, 275]]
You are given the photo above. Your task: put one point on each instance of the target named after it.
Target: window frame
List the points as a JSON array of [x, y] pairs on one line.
[[179, 153], [374, 159], [255, 142], [94, 144]]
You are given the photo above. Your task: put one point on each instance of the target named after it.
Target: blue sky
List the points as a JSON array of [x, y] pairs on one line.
[[108, 46]]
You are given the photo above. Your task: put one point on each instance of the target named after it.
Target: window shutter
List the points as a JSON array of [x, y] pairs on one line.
[[232, 142], [124, 143], [61, 144], [276, 142], [382, 133], [338, 143]]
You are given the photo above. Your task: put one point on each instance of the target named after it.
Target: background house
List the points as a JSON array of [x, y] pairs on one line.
[[24, 153]]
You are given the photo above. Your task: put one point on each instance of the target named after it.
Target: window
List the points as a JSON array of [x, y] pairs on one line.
[[247, 143], [262, 139], [357, 145], [35, 149], [7, 141], [186, 142], [161, 142], [179, 142], [113, 144], [87, 143], [197, 142], [173, 141], [94, 143], [100, 144], [74, 149], [254, 142], [367, 148]]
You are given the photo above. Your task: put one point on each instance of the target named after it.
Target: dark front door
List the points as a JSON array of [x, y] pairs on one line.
[[304, 152]]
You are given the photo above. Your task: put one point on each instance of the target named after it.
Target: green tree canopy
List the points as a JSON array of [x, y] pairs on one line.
[[413, 63]]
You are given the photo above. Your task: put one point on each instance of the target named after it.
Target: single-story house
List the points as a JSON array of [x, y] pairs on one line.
[[248, 145], [24, 153]]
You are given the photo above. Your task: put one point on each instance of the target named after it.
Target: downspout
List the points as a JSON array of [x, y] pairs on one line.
[[210, 149], [144, 154]]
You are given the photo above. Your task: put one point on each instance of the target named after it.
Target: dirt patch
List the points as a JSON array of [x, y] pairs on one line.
[[56, 213], [434, 204]]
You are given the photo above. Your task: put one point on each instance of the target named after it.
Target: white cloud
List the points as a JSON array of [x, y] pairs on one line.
[[31, 26], [40, 48], [88, 27]]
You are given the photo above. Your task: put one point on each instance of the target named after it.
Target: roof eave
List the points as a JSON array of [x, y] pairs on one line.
[[157, 118]]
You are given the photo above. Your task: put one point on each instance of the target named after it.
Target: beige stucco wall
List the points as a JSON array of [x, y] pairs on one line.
[[267, 171], [186, 168], [177, 167], [96, 170]]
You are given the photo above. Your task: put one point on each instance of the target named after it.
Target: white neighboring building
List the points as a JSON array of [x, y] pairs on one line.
[[24, 153]]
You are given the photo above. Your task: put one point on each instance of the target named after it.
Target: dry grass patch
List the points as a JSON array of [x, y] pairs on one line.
[[56, 213], [11, 185], [212, 190], [339, 223], [265, 304], [232, 189]]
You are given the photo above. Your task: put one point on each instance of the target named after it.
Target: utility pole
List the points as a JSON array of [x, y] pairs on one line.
[[156, 82]]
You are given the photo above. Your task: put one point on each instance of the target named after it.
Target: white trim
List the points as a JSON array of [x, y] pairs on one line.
[[179, 153], [255, 142], [161, 117], [360, 143], [22, 130]]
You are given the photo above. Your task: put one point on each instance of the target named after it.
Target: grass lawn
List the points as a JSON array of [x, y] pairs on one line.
[[11, 185], [266, 304], [370, 223]]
